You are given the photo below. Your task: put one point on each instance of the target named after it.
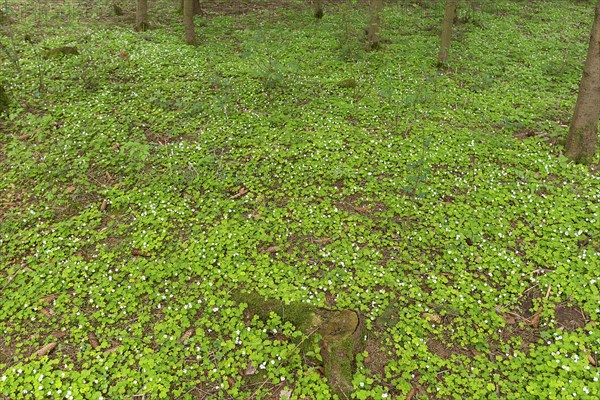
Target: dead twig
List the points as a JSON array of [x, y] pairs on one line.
[[12, 277]]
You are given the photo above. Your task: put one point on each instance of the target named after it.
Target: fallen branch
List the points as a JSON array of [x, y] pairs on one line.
[[46, 349]]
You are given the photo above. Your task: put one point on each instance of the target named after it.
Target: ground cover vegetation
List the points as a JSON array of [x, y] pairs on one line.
[[145, 183]]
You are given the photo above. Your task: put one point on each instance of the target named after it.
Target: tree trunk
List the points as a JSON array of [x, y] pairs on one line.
[[188, 22], [4, 101], [141, 16], [582, 139], [373, 37], [318, 9], [197, 9], [447, 25]]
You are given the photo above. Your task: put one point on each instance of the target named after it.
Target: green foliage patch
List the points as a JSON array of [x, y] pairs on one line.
[[143, 182]]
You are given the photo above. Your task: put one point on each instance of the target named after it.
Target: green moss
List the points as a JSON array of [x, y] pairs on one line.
[[61, 52], [299, 314], [341, 332], [342, 339], [348, 83]]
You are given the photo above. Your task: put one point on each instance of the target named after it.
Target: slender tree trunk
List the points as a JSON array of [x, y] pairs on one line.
[[141, 16], [4, 101], [582, 139], [197, 9], [188, 22], [373, 36], [447, 25], [318, 9]]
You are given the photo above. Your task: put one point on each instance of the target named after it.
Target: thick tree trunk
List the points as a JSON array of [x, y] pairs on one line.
[[447, 25], [318, 9], [583, 132], [373, 37], [141, 16], [188, 22]]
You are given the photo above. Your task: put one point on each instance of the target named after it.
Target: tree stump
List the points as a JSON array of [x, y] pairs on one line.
[[341, 331]]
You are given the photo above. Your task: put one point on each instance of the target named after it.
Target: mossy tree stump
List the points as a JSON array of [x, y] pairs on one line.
[[341, 332]]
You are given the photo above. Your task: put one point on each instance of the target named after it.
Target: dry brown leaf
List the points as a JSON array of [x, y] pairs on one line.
[[592, 360], [510, 320], [137, 252], [46, 349], [93, 340], [112, 349], [186, 335], [104, 204], [59, 334], [24, 136], [412, 393], [271, 249], [535, 320], [49, 299], [48, 312], [250, 369], [240, 193], [432, 317]]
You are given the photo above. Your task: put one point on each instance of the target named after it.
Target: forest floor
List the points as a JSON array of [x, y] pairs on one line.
[[144, 182]]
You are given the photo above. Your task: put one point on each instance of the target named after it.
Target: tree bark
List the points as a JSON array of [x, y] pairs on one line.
[[141, 16], [197, 9], [447, 25], [373, 36], [582, 139], [4, 101], [318, 9], [188, 22]]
